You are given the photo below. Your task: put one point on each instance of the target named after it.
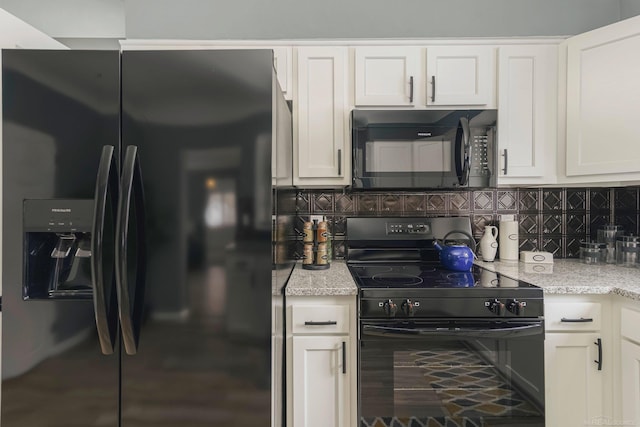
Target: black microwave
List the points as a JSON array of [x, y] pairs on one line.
[[408, 149]]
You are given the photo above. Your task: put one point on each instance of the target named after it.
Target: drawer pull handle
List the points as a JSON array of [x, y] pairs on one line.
[[344, 357], [327, 323], [599, 361], [580, 320]]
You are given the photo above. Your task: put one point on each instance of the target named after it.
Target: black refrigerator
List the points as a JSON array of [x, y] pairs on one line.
[[140, 282]]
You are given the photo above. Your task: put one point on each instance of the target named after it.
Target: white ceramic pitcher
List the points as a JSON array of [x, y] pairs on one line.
[[489, 243]]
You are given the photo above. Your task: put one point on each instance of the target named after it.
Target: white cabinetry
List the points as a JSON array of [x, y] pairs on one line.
[[386, 75], [629, 386], [439, 76], [577, 360], [321, 147], [527, 113], [460, 75], [321, 362], [603, 89]]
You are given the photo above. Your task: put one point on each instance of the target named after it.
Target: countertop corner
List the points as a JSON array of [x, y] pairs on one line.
[[335, 281]]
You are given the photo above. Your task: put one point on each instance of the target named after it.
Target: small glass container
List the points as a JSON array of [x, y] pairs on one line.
[[628, 251], [608, 234], [593, 252]]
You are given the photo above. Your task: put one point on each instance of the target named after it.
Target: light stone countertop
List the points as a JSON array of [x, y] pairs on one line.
[[570, 276], [334, 281], [564, 276]]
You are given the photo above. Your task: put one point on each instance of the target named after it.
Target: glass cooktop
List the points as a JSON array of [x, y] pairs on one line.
[[425, 275]]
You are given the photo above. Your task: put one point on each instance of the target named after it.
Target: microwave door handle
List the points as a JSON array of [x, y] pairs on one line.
[[462, 151]]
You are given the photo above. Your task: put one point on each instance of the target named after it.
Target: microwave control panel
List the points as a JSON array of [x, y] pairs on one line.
[[479, 156]]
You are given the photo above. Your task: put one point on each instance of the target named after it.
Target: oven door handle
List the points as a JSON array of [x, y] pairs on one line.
[[391, 332]]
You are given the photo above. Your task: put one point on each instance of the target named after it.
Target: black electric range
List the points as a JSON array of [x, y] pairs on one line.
[[440, 347]]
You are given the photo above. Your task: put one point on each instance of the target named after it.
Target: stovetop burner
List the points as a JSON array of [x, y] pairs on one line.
[[397, 279]]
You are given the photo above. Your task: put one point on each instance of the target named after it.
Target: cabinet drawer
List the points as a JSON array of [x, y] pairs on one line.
[[573, 316], [629, 321], [320, 319]]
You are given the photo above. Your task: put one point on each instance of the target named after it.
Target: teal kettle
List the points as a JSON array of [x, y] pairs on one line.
[[456, 256]]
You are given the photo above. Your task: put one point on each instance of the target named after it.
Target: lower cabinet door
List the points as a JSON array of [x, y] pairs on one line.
[[630, 383], [573, 383], [321, 391]]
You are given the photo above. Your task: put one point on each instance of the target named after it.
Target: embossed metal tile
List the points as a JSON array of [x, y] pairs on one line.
[[322, 202], [572, 246], [459, 201], [483, 201], [391, 204], [339, 226], [414, 203], [528, 200], [302, 202], [629, 222], [626, 198], [367, 204], [528, 244], [600, 198], [529, 224], [576, 199], [551, 224], [576, 224], [507, 200], [437, 202], [552, 200], [553, 245], [345, 203]]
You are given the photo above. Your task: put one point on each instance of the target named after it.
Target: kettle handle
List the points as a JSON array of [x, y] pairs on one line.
[[469, 237]]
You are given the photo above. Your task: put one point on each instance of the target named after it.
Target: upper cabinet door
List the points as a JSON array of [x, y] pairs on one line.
[[386, 75], [460, 75], [321, 149], [527, 108], [603, 91]]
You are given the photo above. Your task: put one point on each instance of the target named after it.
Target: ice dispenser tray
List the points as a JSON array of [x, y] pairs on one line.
[[57, 248]]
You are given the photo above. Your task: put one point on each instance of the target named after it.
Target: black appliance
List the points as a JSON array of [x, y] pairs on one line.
[[439, 347], [406, 149], [140, 223]]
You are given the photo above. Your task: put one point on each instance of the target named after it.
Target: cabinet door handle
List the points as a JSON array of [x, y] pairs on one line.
[[344, 357], [433, 88], [506, 158], [599, 361], [339, 161], [580, 320], [410, 89], [327, 323]]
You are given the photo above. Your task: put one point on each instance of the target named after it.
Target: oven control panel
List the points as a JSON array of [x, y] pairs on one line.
[[408, 228], [414, 306]]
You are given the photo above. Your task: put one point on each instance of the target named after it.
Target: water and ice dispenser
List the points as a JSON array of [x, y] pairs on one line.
[[57, 258]]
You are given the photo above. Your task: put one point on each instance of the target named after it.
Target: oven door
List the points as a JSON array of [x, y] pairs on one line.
[[451, 373]]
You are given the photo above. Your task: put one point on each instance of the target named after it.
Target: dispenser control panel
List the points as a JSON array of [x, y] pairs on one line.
[[58, 215]]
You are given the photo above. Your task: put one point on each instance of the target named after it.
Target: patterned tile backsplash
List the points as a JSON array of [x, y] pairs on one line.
[[553, 220]]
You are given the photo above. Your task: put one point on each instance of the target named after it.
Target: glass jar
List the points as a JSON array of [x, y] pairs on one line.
[[628, 251], [593, 252], [608, 234]]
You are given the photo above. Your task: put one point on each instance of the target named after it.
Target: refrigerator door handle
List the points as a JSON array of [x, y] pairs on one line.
[[105, 206], [131, 299]]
